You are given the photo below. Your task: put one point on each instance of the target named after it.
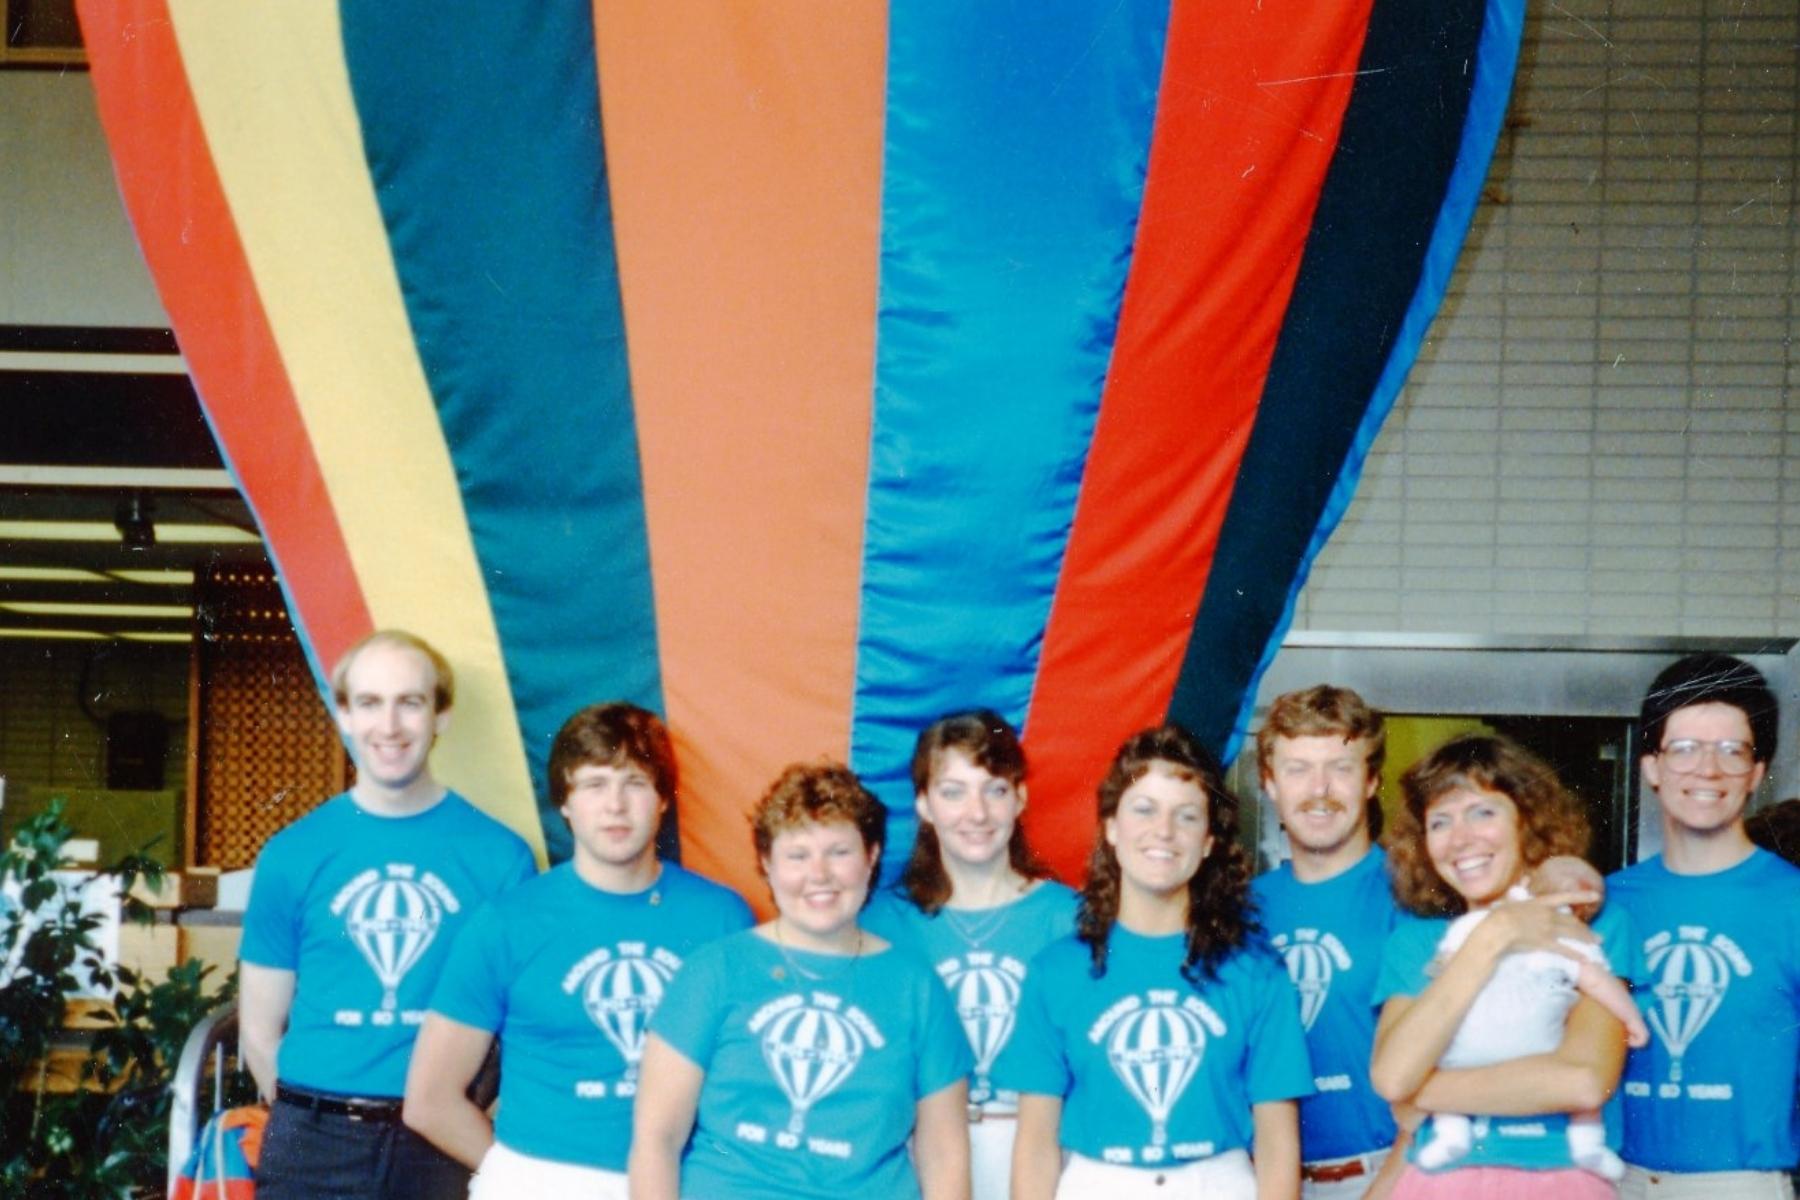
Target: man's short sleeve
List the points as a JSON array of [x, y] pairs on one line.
[[1622, 956], [472, 989], [272, 917], [524, 866]]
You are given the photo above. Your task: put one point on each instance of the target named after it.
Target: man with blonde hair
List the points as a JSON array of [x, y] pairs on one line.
[[352, 912]]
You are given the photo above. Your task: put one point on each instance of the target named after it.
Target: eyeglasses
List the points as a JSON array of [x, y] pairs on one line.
[[1733, 758]]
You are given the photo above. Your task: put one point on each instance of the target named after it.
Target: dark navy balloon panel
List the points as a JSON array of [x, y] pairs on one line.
[[803, 372]]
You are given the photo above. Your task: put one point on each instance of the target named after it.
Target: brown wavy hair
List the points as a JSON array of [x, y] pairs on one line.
[[816, 793], [612, 735], [1550, 819], [1221, 918], [989, 741]]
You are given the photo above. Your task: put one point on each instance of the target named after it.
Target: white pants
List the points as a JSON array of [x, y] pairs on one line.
[[1640, 1184], [1352, 1188], [1227, 1176], [990, 1158], [508, 1175]]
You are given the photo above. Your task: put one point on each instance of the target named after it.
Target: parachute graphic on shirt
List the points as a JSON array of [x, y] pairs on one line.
[[619, 997], [1156, 1052], [392, 921], [810, 1051], [1692, 978], [987, 999]]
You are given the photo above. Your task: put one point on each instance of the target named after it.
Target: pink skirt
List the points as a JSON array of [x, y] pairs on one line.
[[1501, 1183]]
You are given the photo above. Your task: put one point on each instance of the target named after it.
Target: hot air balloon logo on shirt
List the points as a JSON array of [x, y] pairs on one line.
[[812, 1044], [620, 991], [1693, 974], [392, 916], [1155, 1047], [985, 988], [1312, 960]]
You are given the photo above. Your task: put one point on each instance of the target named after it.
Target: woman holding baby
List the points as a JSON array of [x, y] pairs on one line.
[[1516, 984]]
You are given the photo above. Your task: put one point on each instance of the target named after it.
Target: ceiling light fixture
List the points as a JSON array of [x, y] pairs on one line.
[[52, 575], [100, 531], [158, 578], [59, 608]]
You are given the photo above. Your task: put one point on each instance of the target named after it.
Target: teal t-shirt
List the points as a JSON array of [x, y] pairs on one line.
[[363, 909], [982, 956], [1539, 1143], [1331, 934], [568, 977], [1714, 1090], [814, 1066], [1151, 1070]]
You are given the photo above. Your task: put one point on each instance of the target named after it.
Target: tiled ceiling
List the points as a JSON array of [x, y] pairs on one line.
[[112, 493]]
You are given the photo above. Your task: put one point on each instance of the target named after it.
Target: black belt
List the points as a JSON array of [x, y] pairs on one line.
[[357, 1108]]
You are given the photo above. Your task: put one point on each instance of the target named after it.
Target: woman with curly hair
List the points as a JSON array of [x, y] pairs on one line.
[[1161, 1047], [1481, 815], [975, 901], [800, 1058]]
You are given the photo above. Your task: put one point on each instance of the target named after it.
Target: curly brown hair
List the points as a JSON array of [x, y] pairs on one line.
[[1550, 819], [989, 741], [816, 793], [1221, 918]]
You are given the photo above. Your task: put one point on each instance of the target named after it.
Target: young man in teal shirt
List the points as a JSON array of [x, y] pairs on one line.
[[1329, 909], [566, 972], [353, 909], [1709, 1103]]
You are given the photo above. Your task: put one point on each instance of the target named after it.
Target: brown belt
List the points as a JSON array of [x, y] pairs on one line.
[[978, 1114], [1332, 1172]]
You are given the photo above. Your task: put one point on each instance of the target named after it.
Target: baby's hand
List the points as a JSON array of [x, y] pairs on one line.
[[1566, 873], [1637, 1034]]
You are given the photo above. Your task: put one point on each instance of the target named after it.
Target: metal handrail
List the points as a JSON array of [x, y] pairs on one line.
[[212, 1041]]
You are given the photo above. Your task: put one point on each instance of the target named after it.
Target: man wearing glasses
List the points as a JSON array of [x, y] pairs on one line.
[[1709, 1103]]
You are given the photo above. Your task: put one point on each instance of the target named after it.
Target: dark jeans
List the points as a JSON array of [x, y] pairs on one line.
[[308, 1155]]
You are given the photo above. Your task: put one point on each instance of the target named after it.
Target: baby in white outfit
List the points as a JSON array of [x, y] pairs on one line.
[[1522, 1010]]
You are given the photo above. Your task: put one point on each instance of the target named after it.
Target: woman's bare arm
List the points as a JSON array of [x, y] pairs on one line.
[[941, 1143], [1276, 1149], [662, 1117], [1037, 1148], [1579, 1074], [1414, 1031], [445, 1061], [265, 998]]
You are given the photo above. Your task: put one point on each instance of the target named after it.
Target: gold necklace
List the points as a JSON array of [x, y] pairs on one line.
[[806, 972]]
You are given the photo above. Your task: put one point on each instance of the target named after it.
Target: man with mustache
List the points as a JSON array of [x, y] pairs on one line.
[[1329, 910]]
